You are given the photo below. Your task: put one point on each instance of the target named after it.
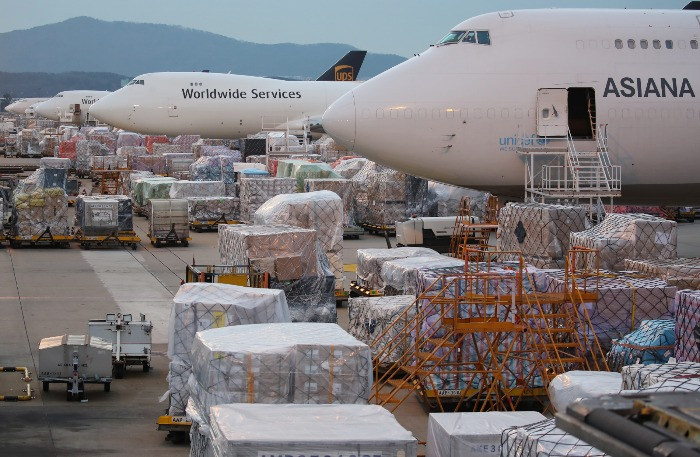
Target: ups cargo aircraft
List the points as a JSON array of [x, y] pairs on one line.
[[216, 105], [70, 106], [22, 105], [459, 112]]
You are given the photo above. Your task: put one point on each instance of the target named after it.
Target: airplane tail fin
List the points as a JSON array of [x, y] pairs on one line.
[[346, 69]]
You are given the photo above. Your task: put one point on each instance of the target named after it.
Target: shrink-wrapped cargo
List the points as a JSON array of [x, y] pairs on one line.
[[543, 439], [150, 140], [653, 342], [97, 216], [154, 164], [301, 170], [540, 231], [178, 162], [187, 189], [371, 317], [400, 276], [186, 141], [680, 272], [629, 236], [85, 150], [472, 434], [343, 188], [162, 149], [40, 204], [130, 139], [107, 139], [256, 191], [208, 209], [124, 211], [348, 168], [213, 168], [571, 386], [151, 187], [624, 300], [687, 312], [110, 162], [638, 376], [330, 430], [202, 306], [444, 200], [127, 152], [55, 162], [168, 218], [370, 261]]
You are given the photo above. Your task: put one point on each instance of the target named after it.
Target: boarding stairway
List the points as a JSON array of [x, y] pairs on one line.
[[568, 169], [485, 340]]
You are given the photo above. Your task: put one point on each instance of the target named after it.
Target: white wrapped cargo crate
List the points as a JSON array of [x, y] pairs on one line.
[[202, 306], [168, 218], [343, 188], [571, 386], [629, 236], [279, 363], [370, 261], [401, 276], [334, 430], [148, 187], [214, 209], [55, 162], [370, 317], [680, 272], [544, 439], [540, 231], [187, 189], [638, 376], [256, 191], [472, 434], [153, 163]]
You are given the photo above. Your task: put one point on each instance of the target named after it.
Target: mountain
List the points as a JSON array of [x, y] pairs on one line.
[[84, 44], [20, 85]]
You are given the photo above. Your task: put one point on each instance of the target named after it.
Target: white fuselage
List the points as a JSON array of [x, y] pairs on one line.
[[22, 105], [214, 105], [456, 112], [69, 105]]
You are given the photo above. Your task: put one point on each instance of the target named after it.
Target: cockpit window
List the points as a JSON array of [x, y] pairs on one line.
[[477, 37], [453, 37], [135, 81]]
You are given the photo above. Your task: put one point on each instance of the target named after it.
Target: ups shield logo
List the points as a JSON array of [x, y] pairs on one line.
[[344, 73]]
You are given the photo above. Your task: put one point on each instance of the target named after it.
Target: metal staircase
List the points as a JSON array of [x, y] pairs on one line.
[[485, 340], [569, 169]]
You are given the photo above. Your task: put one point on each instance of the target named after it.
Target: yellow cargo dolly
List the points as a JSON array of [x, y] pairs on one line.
[[178, 427], [115, 239], [46, 238], [200, 226]]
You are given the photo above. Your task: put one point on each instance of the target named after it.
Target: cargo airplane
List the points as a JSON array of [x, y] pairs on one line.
[[22, 105], [70, 106], [216, 105], [465, 111]]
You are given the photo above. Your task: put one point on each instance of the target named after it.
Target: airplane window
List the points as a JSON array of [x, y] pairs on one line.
[[545, 113], [631, 44], [452, 37], [669, 44], [643, 44], [693, 44], [483, 37], [470, 37], [657, 44], [618, 44]]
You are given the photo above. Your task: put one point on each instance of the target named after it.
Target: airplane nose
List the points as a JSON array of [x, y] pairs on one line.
[[339, 120], [100, 110], [44, 110]]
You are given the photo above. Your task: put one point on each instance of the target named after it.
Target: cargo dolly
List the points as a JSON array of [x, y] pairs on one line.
[[46, 238], [357, 290], [115, 239], [170, 238], [200, 226], [131, 340]]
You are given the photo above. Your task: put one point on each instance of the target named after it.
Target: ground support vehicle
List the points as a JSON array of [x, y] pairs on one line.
[[116, 239], [131, 340]]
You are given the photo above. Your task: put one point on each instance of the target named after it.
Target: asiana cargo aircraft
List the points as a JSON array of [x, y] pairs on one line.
[[472, 109], [217, 105], [70, 106]]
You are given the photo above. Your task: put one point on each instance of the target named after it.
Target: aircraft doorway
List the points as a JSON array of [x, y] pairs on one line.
[[582, 122]]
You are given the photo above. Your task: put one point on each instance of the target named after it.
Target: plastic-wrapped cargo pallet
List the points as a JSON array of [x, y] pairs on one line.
[[543, 439], [301, 170], [568, 387], [629, 236], [343, 188], [638, 376], [256, 191], [446, 200], [150, 140], [371, 317], [687, 311], [214, 168], [624, 300], [55, 162], [130, 139], [321, 211], [110, 162], [540, 231], [186, 141], [329, 430], [168, 217], [348, 168], [85, 150], [125, 222], [97, 217], [213, 209], [162, 149], [370, 261], [202, 306], [400, 276], [154, 164], [653, 342], [37, 208], [472, 434], [187, 189], [290, 255], [680, 272], [177, 162], [151, 187]]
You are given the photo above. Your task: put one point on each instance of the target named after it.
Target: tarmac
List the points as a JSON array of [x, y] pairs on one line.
[[51, 291]]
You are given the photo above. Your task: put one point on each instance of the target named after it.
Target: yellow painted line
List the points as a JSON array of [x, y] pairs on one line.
[[350, 268]]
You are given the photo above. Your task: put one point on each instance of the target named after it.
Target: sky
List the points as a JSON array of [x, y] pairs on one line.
[[403, 27]]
